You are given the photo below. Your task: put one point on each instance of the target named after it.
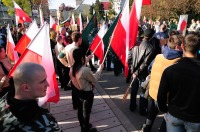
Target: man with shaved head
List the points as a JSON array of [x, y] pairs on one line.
[[19, 111]]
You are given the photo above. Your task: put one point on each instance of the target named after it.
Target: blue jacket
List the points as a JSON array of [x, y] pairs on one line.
[[168, 54]]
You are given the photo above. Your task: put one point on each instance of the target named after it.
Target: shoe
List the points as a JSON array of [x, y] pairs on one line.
[[132, 109], [146, 128], [90, 125], [110, 69], [89, 130], [92, 130], [75, 107]]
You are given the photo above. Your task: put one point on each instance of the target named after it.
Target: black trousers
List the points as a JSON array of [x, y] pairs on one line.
[[65, 76], [75, 97], [152, 113], [84, 109]]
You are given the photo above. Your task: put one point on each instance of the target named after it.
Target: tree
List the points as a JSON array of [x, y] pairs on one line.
[[166, 9], [24, 4], [98, 7], [111, 13]]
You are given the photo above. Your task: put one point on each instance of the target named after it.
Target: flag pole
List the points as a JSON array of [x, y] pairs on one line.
[[127, 91]]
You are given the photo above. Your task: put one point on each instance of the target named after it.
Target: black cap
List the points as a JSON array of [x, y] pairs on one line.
[[148, 33]]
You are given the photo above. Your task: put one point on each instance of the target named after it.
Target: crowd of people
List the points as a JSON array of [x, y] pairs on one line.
[[164, 65]]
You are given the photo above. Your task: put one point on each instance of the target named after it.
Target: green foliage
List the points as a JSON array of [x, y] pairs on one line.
[[111, 13], [166, 9], [99, 10], [24, 4]]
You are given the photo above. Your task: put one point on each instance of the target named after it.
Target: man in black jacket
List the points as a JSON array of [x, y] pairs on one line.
[[179, 87], [19, 111], [142, 55]]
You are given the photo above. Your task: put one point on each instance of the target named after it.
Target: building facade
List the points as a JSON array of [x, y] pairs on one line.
[[4, 17]]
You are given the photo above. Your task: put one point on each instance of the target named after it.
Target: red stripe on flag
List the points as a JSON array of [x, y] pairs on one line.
[[56, 93], [146, 2], [21, 13], [118, 44], [133, 30], [9, 51], [22, 44], [98, 50], [183, 25], [28, 56]]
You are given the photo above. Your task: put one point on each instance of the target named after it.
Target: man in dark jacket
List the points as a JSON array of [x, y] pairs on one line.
[[142, 55], [19, 111], [179, 88]]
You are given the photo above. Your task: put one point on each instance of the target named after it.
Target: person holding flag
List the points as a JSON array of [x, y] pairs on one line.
[[5, 67], [85, 81], [142, 55]]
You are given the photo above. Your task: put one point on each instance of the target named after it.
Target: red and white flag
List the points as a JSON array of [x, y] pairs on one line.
[[134, 21], [12, 55], [182, 24], [72, 22], [120, 37], [146, 2], [39, 51], [20, 14], [27, 37], [80, 23], [53, 24], [97, 46]]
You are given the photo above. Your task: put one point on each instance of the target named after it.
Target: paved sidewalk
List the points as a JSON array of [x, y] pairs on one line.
[[105, 116], [109, 113]]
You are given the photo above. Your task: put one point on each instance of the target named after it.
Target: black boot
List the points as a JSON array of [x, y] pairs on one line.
[[147, 126]]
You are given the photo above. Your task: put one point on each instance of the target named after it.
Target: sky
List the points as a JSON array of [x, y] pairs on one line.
[[54, 4]]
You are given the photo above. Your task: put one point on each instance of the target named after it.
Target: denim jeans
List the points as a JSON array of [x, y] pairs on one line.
[[177, 125]]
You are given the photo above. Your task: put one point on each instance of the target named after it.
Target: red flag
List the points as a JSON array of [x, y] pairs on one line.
[[21, 15], [120, 37], [134, 21], [39, 51], [146, 2], [97, 46], [27, 37], [12, 55]]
